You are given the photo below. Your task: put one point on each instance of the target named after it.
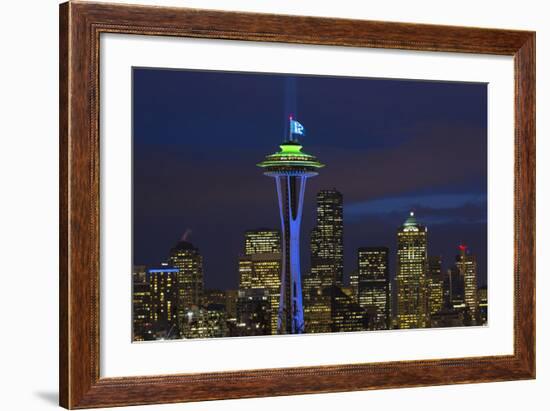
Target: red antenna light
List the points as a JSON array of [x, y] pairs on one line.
[[463, 247]]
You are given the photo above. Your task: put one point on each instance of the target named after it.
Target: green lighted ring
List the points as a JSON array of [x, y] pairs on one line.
[[291, 154]]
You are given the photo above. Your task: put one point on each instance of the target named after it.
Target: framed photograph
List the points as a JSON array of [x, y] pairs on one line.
[[259, 205]]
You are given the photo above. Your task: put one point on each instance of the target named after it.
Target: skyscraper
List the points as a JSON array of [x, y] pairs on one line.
[[187, 259], [262, 240], [346, 314], [163, 301], [327, 239], [201, 322], [327, 263], [412, 308], [434, 279], [482, 304], [456, 290], [317, 310], [466, 264], [231, 303], [266, 274], [141, 305], [290, 168], [213, 296], [374, 285], [354, 284], [260, 267], [245, 272], [253, 312]]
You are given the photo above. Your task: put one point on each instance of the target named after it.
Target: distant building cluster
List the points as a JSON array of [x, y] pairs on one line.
[[170, 301]]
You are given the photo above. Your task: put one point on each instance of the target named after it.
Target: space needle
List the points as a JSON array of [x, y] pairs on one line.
[[290, 168]]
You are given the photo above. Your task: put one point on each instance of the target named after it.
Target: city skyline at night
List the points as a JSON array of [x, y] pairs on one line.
[[170, 301], [435, 131], [400, 157]]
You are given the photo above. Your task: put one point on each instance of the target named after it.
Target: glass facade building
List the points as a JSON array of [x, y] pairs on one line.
[[411, 284], [374, 285]]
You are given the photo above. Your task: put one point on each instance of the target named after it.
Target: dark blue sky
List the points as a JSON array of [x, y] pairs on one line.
[[389, 146]]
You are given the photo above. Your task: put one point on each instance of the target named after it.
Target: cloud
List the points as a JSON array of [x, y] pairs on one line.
[[431, 209]]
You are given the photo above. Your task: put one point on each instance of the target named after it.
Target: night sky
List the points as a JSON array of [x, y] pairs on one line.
[[389, 146]]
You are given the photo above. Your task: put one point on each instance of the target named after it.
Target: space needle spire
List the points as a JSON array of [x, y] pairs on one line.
[[290, 168]]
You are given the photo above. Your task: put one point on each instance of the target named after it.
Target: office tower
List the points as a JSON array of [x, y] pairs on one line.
[[391, 319], [317, 306], [435, 284], [231, 297], [456, 287], [452, 312], [266, 274], [187, 259], [192, 322], [467, 266], [446, 277], [354, 284], [231, 304], [141, 305], [346, 314], [245, 272], [290, 168], [204, 322], [253, 313], [317, 311], [447, 318], [213, 296], [327, 261], [374, 285], [216, 321], [327, 239], [261, 241], [411, 274], [311, 285], [163, 289], [483, 305], [139, 274], [260, 267]]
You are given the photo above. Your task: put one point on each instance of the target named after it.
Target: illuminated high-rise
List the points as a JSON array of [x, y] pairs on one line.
[[454, 281], [163, 301], [141, 305], [327, 262], [261, 241], [354, 284], [434, 279], [482, 305], [327, 240], [204, 322], [374, 285], [317, 306], [245, 272], [253, 313], [466, 264], [139, 274], [260, 267], [346, 314], [290, 168], [187, 259], [266, 274], [412, 253], [213, 296], [317, 311], [231, 303]]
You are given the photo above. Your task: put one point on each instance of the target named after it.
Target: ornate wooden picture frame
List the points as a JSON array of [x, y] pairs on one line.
[[81, 24]]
